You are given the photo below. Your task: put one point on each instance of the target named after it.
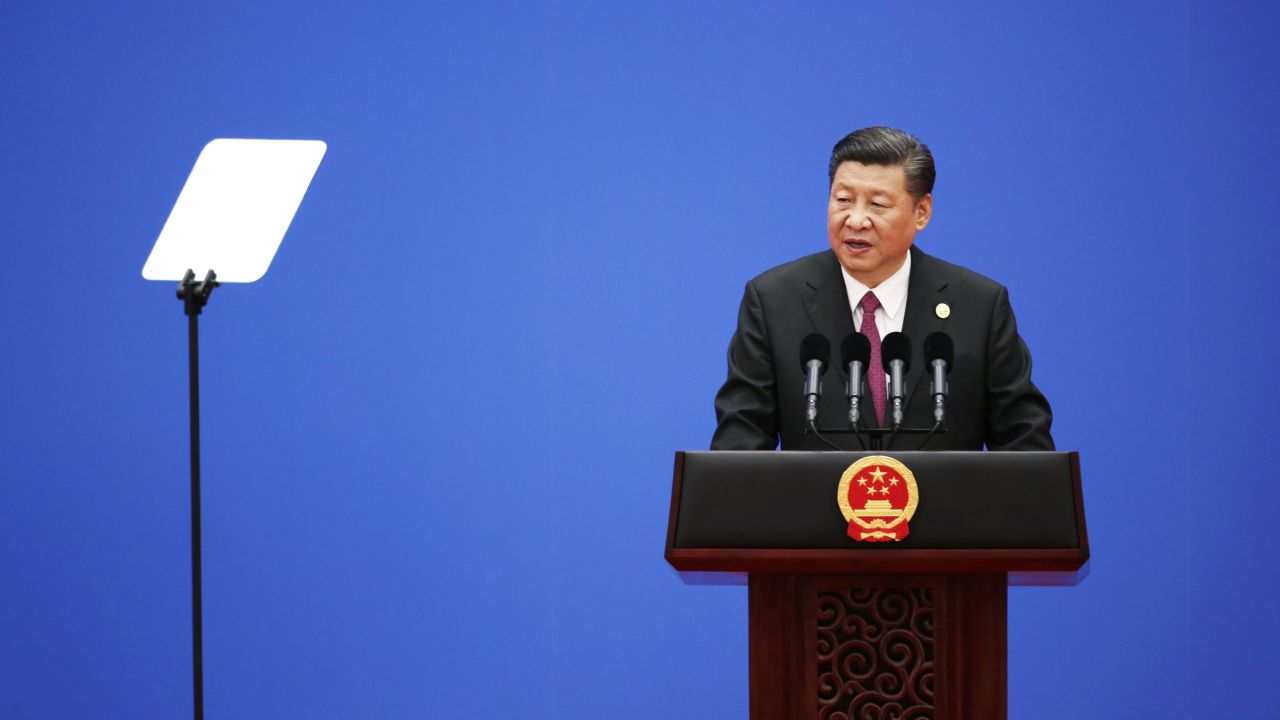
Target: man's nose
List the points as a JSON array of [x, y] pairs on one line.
[[858, 219]]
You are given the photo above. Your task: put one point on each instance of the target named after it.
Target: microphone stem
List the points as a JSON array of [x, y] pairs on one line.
[[928, 435], [813, 428]]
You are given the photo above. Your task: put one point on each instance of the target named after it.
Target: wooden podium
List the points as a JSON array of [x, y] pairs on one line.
[[906, 630]]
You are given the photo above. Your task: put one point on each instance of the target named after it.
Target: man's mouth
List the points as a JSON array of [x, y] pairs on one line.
[[855, 244]]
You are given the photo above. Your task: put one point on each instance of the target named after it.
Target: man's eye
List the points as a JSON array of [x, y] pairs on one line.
[[878, 205]]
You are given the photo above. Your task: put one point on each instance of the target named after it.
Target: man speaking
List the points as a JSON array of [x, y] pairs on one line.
[[875, 282]]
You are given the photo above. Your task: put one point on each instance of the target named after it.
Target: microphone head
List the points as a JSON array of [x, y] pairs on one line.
[[855, 348], [896, 346], [938, 346], [815, 347]]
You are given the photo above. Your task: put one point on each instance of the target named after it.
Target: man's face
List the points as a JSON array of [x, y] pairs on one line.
[[872, 220]]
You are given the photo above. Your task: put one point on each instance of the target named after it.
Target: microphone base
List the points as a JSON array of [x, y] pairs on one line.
[[875, 436]]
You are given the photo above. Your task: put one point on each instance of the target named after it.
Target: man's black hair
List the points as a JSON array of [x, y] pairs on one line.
[[880, 145]]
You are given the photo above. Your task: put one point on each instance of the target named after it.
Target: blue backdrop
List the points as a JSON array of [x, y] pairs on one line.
[[438, 434]]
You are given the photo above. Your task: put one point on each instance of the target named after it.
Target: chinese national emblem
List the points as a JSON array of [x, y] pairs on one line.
[[878, 495]]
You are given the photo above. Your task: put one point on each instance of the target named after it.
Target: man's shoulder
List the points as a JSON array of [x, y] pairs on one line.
[[937, 270], [808, 270]]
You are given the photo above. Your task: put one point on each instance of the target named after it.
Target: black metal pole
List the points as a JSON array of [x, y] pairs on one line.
[[197, 620], [194, 296]]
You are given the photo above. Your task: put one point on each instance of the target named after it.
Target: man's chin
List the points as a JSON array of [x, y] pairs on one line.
[[857, 264]]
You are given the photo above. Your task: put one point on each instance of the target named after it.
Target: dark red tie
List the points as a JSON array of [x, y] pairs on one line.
[[875, 373]]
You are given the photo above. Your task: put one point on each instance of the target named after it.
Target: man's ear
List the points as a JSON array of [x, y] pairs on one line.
[[924, 211]]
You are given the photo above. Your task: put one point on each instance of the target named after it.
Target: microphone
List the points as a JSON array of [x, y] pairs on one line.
[[855, 354], [815, 355], [940, 356], [895, 352]]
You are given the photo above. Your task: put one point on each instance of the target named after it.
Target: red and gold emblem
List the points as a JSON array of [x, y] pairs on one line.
[[878, 495]]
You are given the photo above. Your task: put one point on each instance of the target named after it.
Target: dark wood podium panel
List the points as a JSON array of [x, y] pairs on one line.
[[879, 646]]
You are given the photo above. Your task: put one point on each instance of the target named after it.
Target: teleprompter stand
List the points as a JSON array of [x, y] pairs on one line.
[[232, 214], [194, 296]]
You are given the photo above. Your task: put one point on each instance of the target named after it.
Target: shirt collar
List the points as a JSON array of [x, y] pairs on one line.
[[892, 293]]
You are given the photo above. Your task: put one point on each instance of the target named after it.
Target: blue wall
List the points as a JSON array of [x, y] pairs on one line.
[[438, 434]]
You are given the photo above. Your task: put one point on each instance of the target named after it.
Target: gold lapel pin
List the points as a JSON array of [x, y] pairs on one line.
[[943, 310]]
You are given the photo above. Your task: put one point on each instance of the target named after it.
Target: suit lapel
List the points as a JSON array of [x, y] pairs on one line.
[[925, 290], [827, 302]]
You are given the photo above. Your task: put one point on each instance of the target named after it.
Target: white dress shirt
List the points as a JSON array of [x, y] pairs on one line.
[[892, 294]]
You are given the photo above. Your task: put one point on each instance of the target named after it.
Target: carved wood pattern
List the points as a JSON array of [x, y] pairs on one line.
[[875, 653]]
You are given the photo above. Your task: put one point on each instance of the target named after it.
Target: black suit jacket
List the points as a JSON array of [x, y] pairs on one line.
[[992, 400]]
